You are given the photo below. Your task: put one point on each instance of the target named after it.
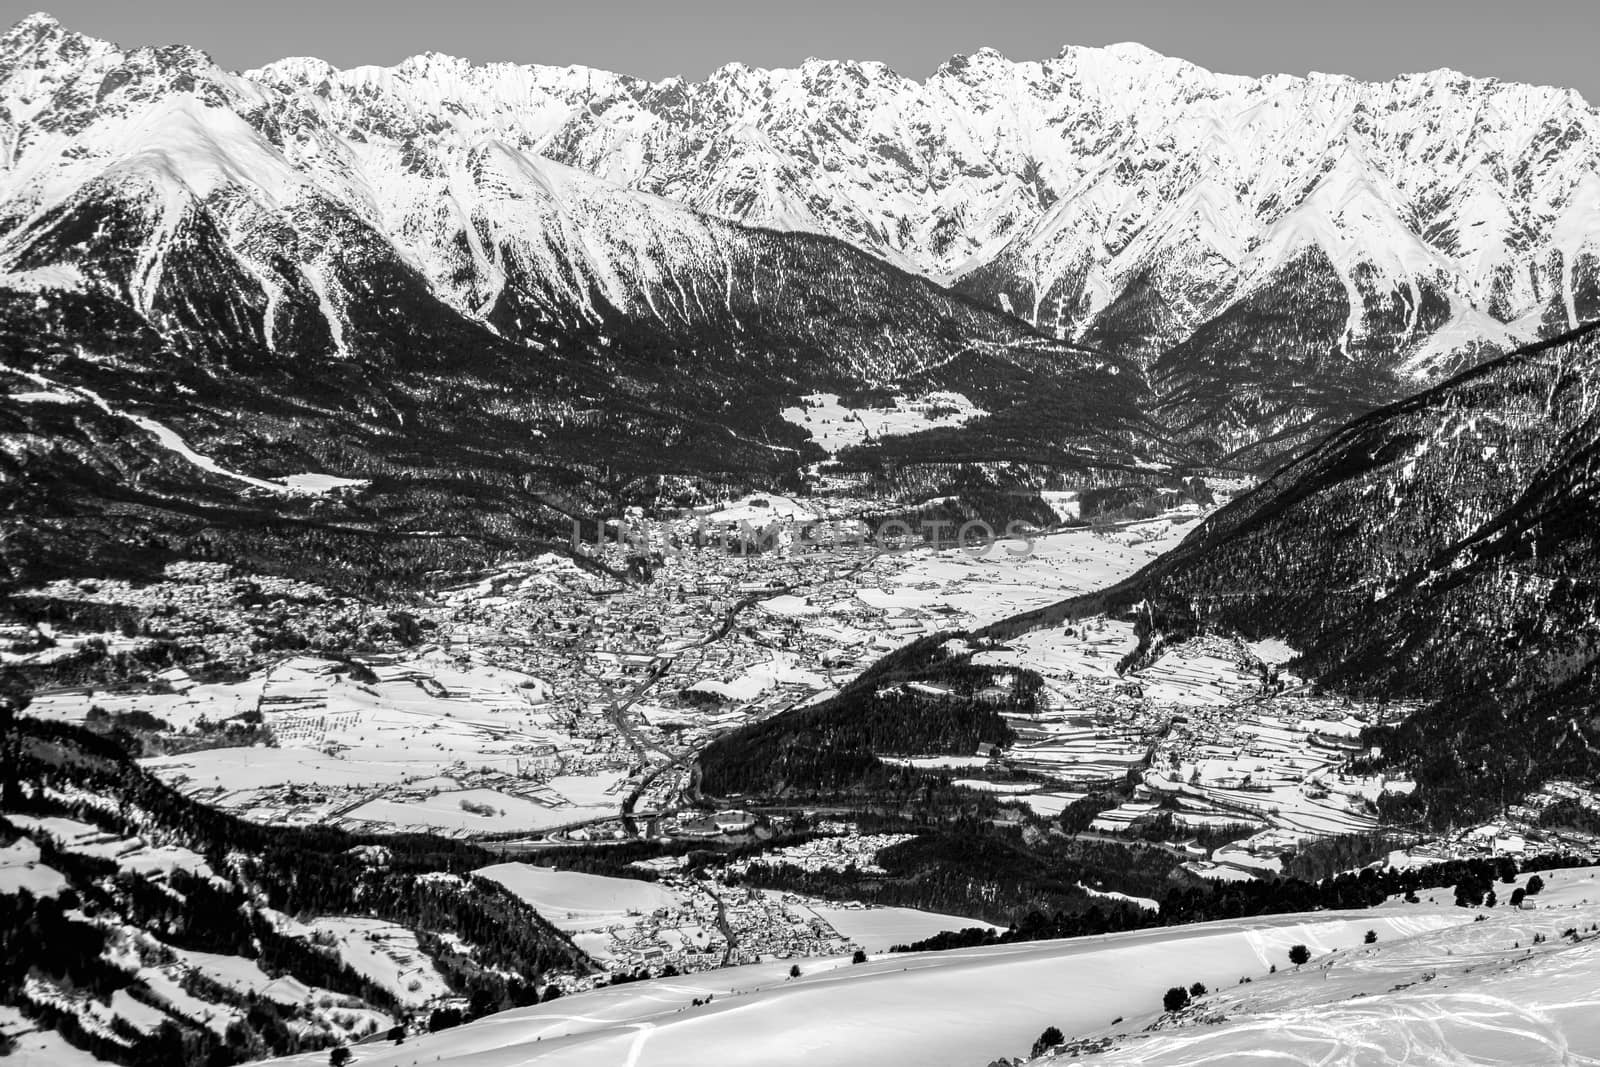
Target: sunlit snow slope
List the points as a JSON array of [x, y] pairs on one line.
[[1104, 191], [959, 1008], [1279, 254], [1480, 993], [465, 334]]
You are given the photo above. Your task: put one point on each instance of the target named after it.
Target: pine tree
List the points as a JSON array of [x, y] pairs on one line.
[[1046, 1041]]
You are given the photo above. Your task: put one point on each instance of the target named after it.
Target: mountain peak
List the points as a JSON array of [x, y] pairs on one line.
[[37, 22], [37, 28], [1134, 51]]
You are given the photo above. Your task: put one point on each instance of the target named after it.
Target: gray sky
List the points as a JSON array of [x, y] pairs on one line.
[[1553, 42]]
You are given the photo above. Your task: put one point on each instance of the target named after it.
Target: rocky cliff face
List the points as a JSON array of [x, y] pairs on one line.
[[1454, 211]]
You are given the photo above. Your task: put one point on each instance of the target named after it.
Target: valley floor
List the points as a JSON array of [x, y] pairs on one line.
[[540, 706]]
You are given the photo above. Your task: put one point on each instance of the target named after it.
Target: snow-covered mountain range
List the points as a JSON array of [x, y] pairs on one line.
[[1106, 193], [1123, 260], [1452, 210], [286, 294]]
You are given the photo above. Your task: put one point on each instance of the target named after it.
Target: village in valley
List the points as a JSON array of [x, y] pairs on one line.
[[550, 703], [544, 699]]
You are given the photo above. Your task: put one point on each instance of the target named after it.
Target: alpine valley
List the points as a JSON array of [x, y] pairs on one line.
[[805, 566]]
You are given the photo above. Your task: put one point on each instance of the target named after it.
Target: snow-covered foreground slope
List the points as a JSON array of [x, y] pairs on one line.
[[1474, 993], [960, 1008]]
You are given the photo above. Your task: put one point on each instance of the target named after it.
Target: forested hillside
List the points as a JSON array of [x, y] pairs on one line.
[[1443, 548], [219, 926]]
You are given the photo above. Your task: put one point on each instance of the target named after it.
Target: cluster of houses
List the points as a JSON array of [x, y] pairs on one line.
[[235, 618], [833, 853]]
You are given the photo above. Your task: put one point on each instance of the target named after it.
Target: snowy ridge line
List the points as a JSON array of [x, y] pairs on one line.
[[1056, 189]]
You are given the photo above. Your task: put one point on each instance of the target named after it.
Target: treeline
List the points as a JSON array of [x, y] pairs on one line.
[[1325, 857], [970, 866], [1568, 814], [1238, 900], [964, 858]]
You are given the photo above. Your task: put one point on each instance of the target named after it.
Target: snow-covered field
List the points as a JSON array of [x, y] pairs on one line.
[[834, 426], [1091, 650], [32, 1047], [385, 953], [956, 1008], [779, 669], [20, 870], [130, 853], [1014, 576], [879, 929], [180, 710], [489, 811], [412, 736], [572, 900]]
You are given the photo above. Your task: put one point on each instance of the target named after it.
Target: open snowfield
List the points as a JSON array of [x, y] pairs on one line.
[[929, 762], [959, 1009], [131, 854], [421, 716], [1013, 576], [385, 953], [246, 976], [39, 1048], [762, 509], [180, 710], [835, 426], [20, 870], [879, 929], [446, 811], [1089, 650], [1046, 804], [780, 668], [426, 719], [1479, 993], [572, 900], [242, 769]]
